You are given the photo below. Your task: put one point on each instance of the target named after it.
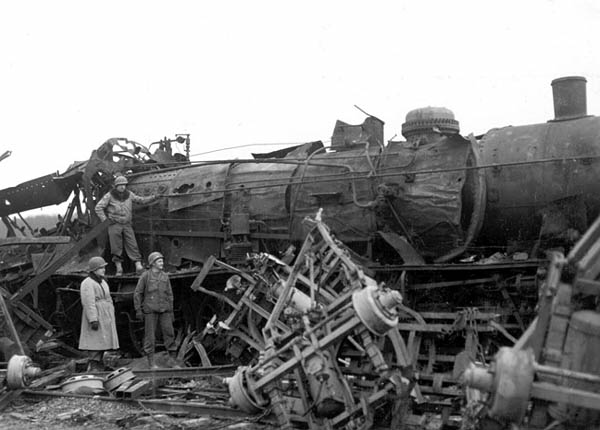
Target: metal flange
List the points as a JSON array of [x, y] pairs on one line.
[[20, 371], [509, 381], [242, 395], [375, 308], [117, 378], [513, 378], [83, 383]]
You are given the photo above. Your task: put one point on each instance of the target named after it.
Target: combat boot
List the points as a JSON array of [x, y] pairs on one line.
[[151, 363], [94, 366], [119, 267], [173, 360], [138, 267]]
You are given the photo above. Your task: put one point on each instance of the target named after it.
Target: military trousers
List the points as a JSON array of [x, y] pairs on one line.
[[165, 320], [122, 236]]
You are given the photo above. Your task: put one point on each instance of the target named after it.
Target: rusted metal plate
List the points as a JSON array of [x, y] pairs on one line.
[[200, 179], [297, 151], [348, 135], [191, 248], [43, 191], [430, 203], [517, 193], [265, 203], [327, 182]]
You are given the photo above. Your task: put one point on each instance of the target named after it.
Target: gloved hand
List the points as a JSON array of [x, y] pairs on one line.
[[95, 325], [139, 315]]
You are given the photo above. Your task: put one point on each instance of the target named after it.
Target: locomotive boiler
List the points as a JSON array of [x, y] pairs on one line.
[[429, 198]]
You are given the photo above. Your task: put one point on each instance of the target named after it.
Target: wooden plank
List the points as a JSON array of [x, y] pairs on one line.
[[202, 353], [7, 397], [208, 264], [11, 326], [60, 261], [50, 379], [33, 315], [587, 286], [44, 240], [571, 396], [512, 306], [582, 247], [548, 291]]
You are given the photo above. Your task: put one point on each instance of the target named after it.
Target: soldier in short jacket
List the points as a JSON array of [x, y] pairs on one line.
[[117, 206], [153, 301]]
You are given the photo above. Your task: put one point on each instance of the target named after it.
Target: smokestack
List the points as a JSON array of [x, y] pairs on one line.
[[569, 98]]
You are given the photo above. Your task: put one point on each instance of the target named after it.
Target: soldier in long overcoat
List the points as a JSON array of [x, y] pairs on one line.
[[98, 324]]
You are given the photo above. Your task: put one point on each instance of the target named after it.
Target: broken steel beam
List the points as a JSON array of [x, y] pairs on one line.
[[44, 240], [185, 372], [11, 326]]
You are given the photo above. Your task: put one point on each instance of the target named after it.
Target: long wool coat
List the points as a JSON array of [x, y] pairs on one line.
[[97, 306]]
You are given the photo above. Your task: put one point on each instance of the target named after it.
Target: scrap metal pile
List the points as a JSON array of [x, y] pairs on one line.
[[324, 334], [550, 378]]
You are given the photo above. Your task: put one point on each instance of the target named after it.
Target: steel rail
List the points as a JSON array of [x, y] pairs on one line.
[[166, 406], [184, 372]]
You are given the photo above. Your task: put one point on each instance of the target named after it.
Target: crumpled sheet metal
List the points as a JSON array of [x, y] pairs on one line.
[[185, 187], [431, 203], [37, 193]]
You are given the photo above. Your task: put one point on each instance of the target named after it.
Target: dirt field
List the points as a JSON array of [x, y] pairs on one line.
[[80, 414]]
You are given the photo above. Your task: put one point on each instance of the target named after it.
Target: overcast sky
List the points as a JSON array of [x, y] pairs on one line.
[[239, 72]]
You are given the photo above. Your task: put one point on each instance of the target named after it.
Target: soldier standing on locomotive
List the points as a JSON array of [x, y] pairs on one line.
[[117, 206]]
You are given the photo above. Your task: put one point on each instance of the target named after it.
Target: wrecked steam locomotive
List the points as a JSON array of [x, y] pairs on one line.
[[460, 226]]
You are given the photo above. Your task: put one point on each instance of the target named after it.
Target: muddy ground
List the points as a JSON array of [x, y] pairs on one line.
[[80, 414]]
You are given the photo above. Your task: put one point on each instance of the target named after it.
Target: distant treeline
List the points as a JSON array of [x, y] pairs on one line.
[[35, 221]]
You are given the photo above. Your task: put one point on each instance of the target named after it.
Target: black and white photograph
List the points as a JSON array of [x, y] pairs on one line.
[[286, 215]]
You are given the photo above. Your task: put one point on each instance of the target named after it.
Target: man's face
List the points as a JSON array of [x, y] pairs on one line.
[[100, 271], [159, 264], [121, 188]]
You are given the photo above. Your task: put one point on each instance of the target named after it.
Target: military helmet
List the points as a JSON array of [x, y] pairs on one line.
[[121, 180], [96, 263], [153, 257]]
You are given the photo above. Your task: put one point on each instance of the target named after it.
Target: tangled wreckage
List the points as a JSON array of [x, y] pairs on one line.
[[357, 285]]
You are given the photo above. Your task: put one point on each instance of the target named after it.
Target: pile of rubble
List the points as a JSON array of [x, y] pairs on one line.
[[140, 398]]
